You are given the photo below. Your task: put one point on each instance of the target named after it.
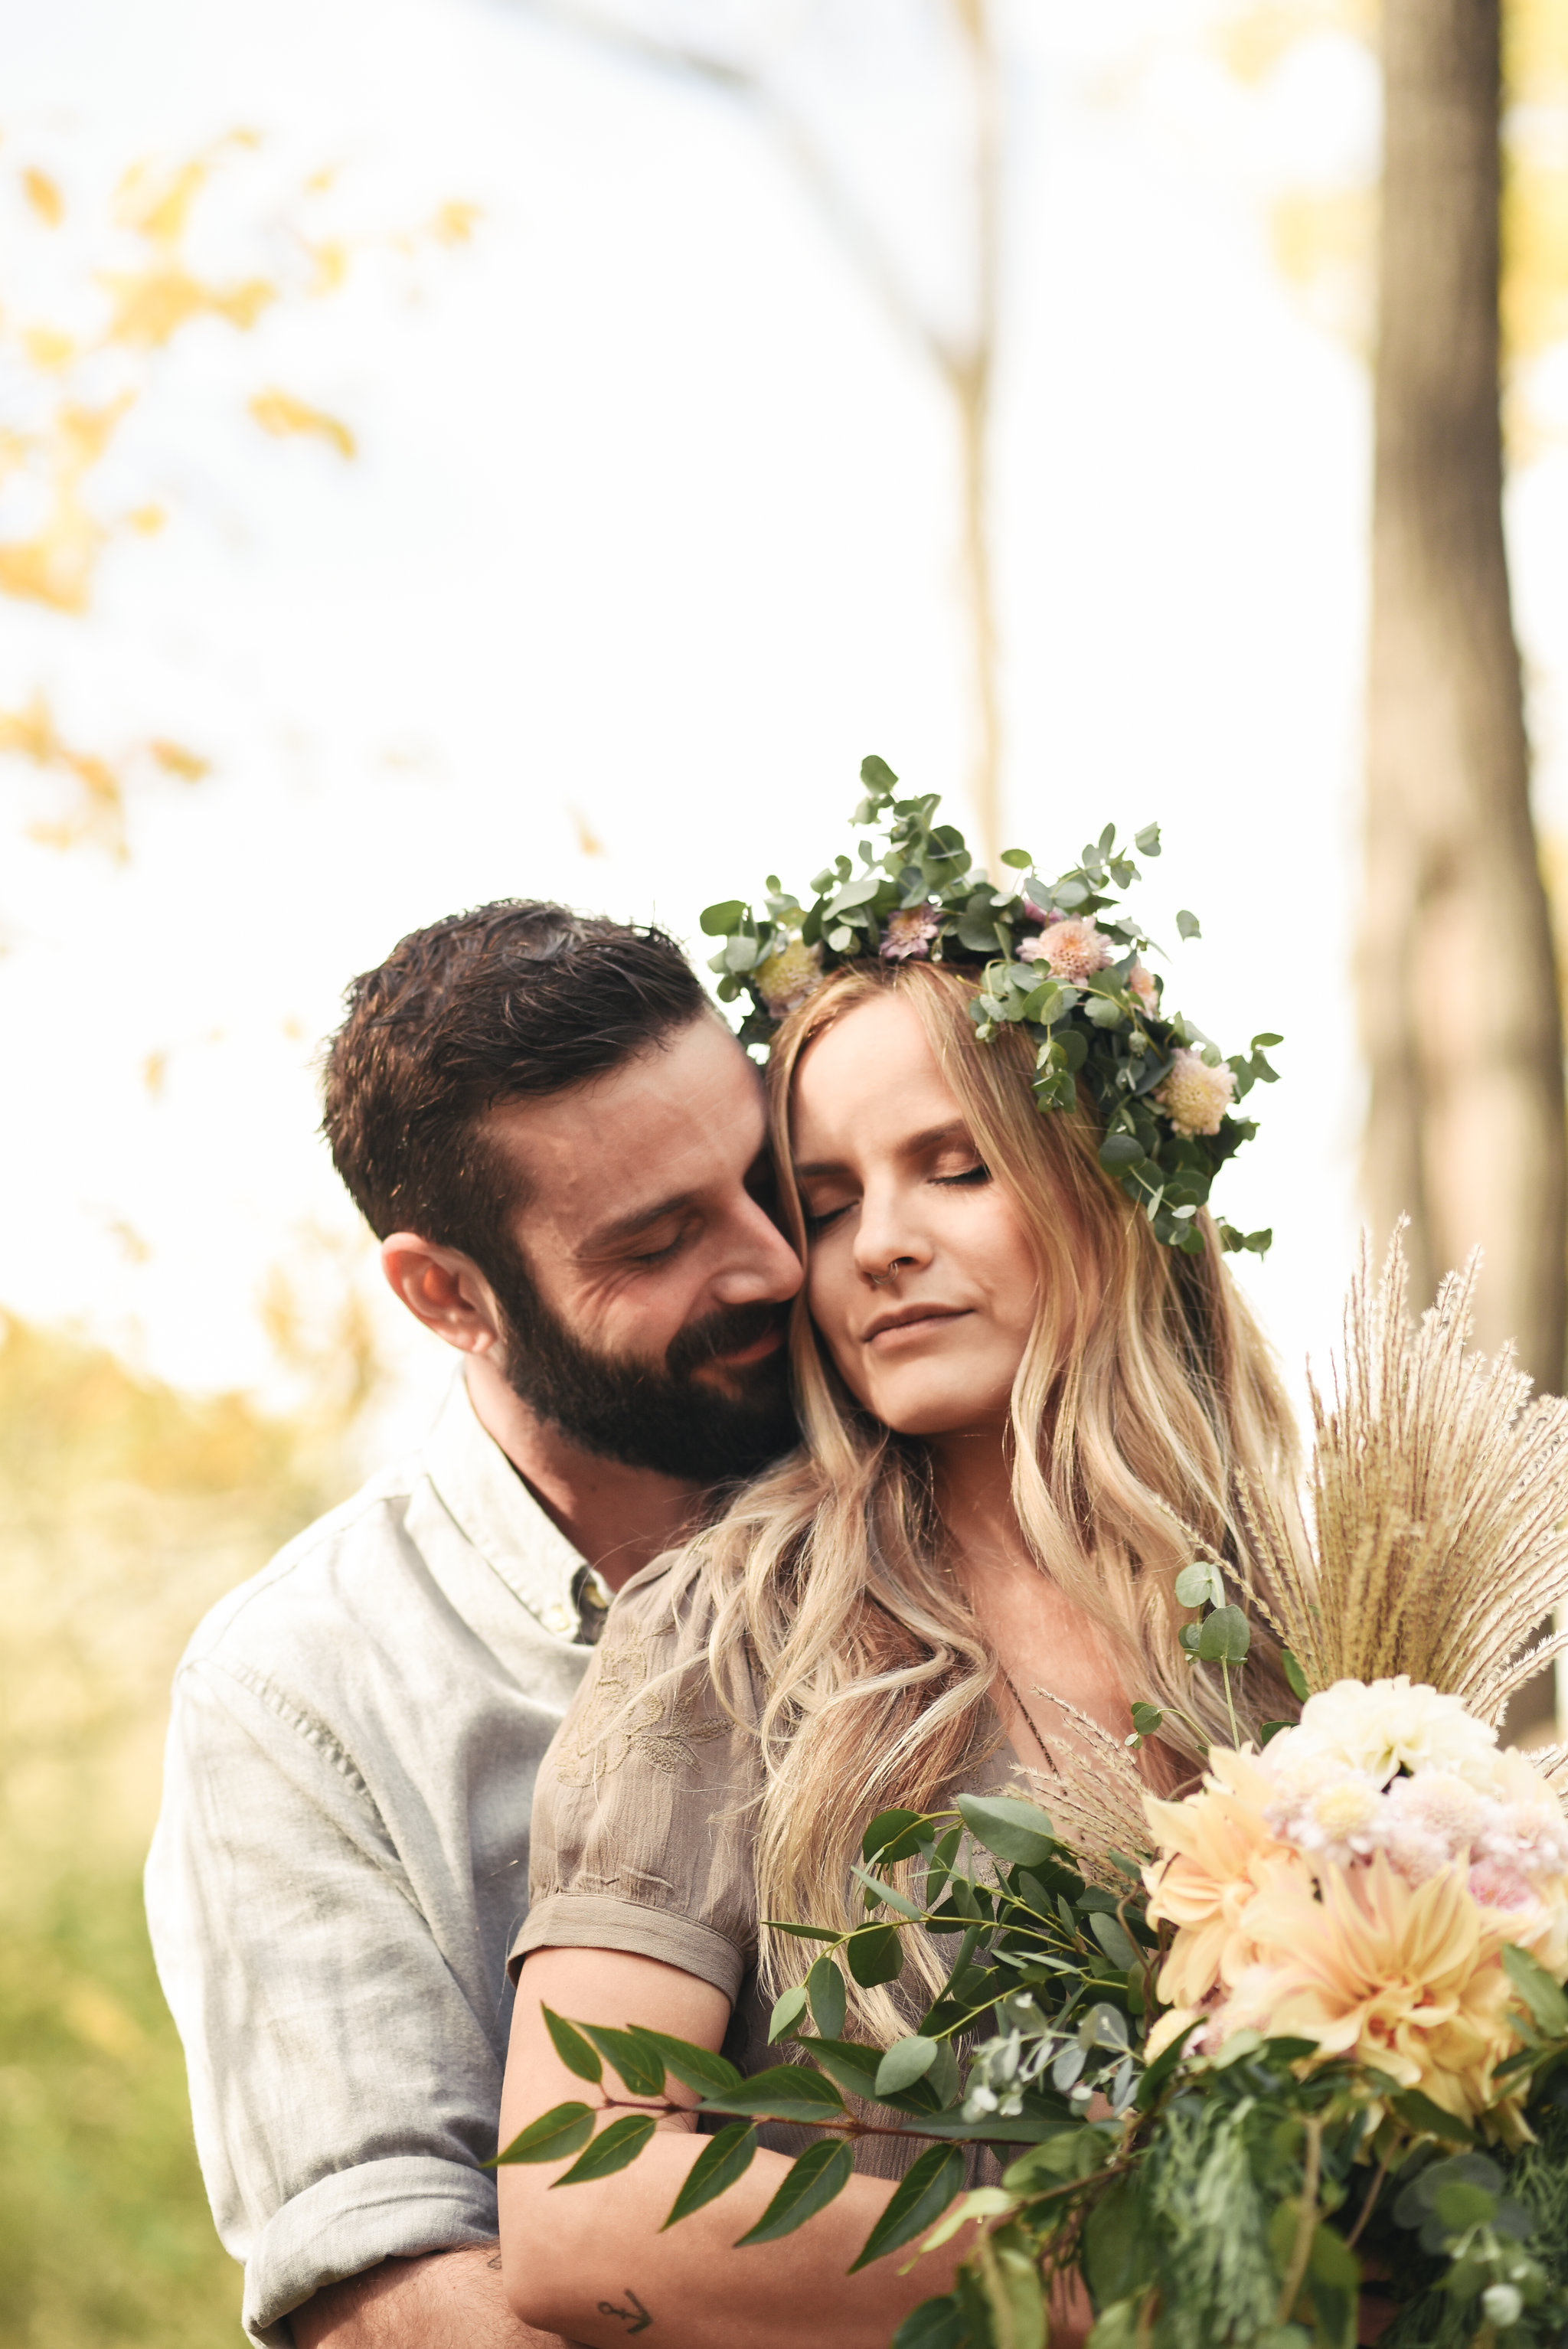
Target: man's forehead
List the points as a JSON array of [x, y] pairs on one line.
[[669, 1124]]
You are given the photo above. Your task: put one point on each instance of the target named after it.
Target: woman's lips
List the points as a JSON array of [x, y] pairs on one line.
[[917, 1322]]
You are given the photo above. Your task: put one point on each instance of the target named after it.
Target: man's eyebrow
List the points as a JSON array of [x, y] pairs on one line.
[[633, 1227], [913, 1146]]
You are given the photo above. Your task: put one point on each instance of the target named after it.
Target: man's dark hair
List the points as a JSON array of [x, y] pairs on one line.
[[510, 1002]]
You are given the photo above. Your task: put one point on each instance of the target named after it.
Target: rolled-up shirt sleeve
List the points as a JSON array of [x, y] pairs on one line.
[[344, 2090]]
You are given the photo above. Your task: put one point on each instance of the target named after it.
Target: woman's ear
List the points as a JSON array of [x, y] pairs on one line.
[[443, 1289]]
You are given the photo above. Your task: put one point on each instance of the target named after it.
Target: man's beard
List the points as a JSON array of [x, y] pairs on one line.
[[647, 1414]]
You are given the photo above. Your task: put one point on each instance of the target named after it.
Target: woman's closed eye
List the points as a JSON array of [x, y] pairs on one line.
[[977, 1173]]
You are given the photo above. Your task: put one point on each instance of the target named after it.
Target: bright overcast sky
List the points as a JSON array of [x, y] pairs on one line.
[[651, 536]]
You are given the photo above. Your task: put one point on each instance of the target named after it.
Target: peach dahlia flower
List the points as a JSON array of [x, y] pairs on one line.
[[1403, 1977]]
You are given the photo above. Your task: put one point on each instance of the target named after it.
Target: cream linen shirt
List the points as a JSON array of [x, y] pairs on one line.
[[341, 1862]]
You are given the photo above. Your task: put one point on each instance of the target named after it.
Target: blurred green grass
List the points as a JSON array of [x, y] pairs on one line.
[[105, 2234], [126, 1508]]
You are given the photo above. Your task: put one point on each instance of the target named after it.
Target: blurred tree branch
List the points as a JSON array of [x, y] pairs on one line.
[[963, 363]]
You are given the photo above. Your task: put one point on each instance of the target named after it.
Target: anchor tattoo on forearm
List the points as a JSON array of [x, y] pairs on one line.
[[635, 2319]]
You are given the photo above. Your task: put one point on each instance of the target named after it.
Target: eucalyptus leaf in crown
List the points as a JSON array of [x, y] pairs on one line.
[[1062, 959]]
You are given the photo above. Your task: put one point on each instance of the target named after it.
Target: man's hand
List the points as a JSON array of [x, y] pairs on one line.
[[452, 2299]]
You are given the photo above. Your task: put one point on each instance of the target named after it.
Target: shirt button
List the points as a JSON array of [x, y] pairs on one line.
[[561, 1620]]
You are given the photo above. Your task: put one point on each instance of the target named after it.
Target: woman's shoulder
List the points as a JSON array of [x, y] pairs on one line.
[[673, 1590], [649, 1696]]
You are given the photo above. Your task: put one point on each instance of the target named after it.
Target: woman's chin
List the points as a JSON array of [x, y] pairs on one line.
[[940, 1415]]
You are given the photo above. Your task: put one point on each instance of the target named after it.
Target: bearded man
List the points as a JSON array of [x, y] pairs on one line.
[[560, 1147]]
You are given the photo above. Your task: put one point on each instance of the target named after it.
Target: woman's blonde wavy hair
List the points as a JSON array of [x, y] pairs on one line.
[[1146, 1400]]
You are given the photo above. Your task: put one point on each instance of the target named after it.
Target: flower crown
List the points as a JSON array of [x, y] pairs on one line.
[[1054, 964]]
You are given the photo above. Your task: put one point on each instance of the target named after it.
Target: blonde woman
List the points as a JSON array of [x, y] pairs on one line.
[[1010, 1392]]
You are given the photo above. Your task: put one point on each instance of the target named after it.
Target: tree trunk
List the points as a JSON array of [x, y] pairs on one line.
[[1466, 1122]]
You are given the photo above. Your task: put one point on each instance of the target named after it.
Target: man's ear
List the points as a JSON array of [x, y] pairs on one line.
[[443, 1289]]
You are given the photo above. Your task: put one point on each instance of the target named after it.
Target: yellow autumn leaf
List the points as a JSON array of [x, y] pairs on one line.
[[156, 204], [55, 567], [130, 1241], [150, 307], [44, 195], [30, 733], [175, 760], [280, 414], [454, 223], [330, 261], [48, 348], [155, 1075], [146, 521], [588, 841]]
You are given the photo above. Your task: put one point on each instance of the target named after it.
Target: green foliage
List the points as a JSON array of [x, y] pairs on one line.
[[562, 2131], [725, 2157], [572, 2048], [915, 893], [1216, 2201], [612, 2150], [126, 1509], [105, 2234], [810, 2184]]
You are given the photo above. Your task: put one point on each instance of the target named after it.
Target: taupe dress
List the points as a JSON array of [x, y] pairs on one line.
[[642, 1819]]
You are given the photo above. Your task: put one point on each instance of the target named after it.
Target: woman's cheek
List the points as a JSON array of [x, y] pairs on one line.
[[826, 1295]]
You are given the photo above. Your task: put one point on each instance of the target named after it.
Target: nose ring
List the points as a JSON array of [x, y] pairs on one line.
[[877, 1279]]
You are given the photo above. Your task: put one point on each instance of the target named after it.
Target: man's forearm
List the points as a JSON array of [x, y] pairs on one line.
[[452, 2299]]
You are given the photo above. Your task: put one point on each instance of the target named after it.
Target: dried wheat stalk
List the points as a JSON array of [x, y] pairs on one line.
[[1432, 1541], [1437, 1503]]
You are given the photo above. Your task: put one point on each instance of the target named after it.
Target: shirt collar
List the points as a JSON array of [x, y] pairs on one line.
[[490, 1501]]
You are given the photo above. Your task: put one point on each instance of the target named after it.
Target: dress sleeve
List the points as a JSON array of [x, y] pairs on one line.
[[644, 1807]]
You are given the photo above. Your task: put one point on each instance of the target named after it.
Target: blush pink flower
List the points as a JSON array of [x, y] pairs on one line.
[[1195, 1097], [1072, 950], [1500, 1888], [908, 935], [1145, 986]]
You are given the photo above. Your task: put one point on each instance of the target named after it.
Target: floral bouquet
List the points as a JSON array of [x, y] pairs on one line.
[[1244, 2057]]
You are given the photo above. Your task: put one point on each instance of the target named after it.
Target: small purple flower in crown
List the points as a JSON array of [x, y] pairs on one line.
[[909, 935]]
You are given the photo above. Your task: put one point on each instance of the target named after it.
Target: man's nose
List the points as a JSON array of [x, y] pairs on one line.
[[764, 1268]]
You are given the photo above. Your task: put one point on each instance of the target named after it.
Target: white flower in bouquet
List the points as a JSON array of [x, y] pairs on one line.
[[1384, 1726]]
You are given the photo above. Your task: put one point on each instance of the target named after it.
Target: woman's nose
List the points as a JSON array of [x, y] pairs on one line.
[[888, 1237]]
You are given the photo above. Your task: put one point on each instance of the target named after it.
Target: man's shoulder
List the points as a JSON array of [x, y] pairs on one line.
[[333, 1577]]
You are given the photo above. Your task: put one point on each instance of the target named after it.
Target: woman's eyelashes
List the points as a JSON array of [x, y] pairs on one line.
[[975, 1174], [820, 1219]]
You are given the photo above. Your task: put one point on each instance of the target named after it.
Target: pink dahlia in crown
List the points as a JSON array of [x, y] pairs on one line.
[[1355, 1884], [1072, 950], [907, 936]]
